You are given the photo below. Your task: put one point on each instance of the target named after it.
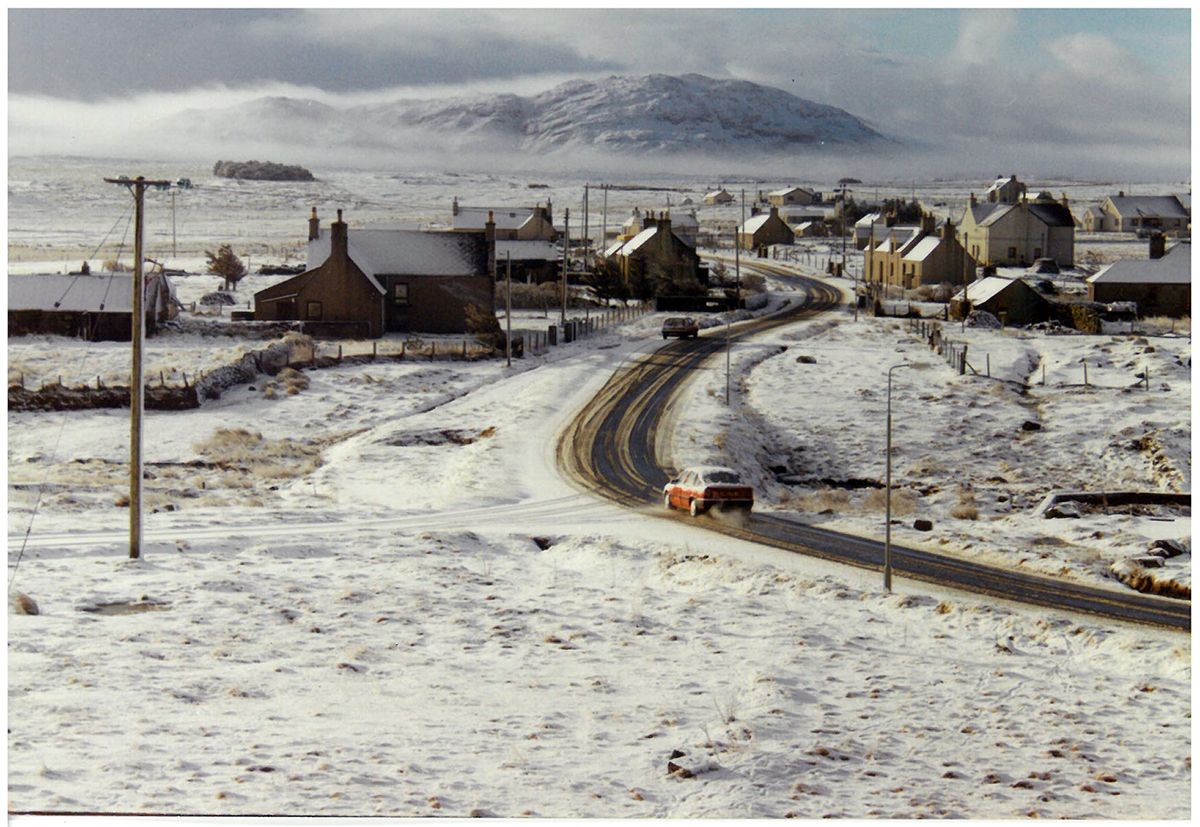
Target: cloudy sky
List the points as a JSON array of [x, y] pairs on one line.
[[1107, 83]]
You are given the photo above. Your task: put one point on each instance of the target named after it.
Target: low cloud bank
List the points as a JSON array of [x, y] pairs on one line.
[[277, 122]]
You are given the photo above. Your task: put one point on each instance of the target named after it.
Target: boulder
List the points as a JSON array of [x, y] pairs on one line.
[[923, 525]]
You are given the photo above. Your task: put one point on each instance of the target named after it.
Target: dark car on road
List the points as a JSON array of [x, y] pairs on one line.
[[681, 326]]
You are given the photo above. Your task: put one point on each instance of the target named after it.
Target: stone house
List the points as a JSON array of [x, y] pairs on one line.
[[909, 257], [366, 282], [656, 247], [763, 230], [791, 197], [717, 197], [1006, 191], [512, 223], [1160, 285], [1017, 234], [1123, 213]]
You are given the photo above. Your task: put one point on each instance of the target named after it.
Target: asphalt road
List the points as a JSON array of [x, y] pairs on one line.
[[610, 449]]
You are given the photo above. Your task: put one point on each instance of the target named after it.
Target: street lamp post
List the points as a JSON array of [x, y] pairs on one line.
[[887, 534]]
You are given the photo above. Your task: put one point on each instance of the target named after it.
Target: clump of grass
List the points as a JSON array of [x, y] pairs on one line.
[[293, 378], [965, 511], [904, 502], [824, 500]]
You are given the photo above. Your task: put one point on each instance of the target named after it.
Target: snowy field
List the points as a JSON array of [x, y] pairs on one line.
[[377, 596]]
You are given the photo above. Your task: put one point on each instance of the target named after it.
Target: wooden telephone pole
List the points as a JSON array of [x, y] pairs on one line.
[[137, 187]]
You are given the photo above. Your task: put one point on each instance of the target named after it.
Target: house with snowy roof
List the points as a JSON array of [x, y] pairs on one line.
[[717, 197], [365, 282], [763, 230], [512, 223], [791, 196], [1123, 213], [1012, 301], [1160, 285], [1018, 233], [656, 251], [909, 257], [92, 306], [1005, 190]]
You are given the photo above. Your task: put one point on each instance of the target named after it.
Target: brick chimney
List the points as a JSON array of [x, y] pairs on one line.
[[947, 231], [928, 222], [338, 243], [314, 226], [1158, 246], [1065, 202]]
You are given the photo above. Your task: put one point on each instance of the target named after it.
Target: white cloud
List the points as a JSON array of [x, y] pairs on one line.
[[983, 36]]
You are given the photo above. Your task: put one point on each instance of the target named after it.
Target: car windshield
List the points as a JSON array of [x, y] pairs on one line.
[[673, 321], [721, 476]]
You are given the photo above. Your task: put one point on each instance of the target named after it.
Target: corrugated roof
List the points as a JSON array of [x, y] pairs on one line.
[[93, 293], [1173, 268]]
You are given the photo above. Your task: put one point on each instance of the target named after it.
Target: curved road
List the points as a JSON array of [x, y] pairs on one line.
[[610, 449]]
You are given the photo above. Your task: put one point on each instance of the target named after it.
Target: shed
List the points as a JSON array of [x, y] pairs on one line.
[[1161, 286], [94, 306], [1010, 300]]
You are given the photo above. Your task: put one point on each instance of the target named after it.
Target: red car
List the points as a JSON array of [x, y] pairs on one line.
[[703, 487]]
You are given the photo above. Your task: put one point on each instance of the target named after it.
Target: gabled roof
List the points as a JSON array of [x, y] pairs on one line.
[[985, 289], [923, 248], [1000, 182], [1158, 206], [638, 240], [1173, 268], [789, 191], [904, 235], [405, 252], [1052, 213], [755, 224], [869, 219], [92, 293], [685, 219], [985, 210], [505, 218]]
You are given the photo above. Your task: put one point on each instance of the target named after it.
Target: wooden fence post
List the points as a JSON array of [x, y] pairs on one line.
[[1147, 377], [402, 351], [989, 366], [339, 353], [1085, 379], [374, 350]]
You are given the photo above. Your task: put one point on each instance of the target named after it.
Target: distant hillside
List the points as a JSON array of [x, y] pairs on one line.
[[651, 114]]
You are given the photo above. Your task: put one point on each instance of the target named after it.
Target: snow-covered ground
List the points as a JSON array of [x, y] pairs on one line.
[[366, 623], [375, 595]]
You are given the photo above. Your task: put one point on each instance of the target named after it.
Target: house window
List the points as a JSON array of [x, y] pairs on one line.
[[400, 295], [1012, 252], [1037, 252], [312, 310]]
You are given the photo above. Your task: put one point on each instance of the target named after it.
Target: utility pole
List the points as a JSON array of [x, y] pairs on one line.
[[586, 238], [604, 231], [508, 311], [737, 251], [173, 253], [566, 251], [966, 267], [137, 188], [845, 207]]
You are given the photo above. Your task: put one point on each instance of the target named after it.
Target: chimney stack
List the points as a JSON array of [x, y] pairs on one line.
[[974, 201], [1158, 246], [1066, 203], [314, 226], [338, 242], [454, 206]]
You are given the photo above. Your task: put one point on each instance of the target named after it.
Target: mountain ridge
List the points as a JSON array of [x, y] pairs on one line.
[[656, 114]]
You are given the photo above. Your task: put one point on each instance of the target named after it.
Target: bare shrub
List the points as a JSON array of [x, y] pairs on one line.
[[825, 500], [113, 266], [753, 283]]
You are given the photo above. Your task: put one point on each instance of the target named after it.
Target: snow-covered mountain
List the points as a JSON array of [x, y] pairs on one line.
[[654, 113]]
